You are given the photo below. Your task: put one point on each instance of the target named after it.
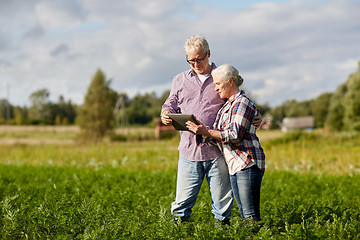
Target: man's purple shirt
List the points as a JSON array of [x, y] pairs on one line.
[[191, 96]]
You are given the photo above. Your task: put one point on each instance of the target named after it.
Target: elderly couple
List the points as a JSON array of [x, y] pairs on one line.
[[233, 168]]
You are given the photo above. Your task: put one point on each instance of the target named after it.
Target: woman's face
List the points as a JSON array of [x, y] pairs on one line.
[[223, 88]]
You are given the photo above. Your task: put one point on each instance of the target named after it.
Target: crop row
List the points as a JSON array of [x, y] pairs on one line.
[[51, 202]]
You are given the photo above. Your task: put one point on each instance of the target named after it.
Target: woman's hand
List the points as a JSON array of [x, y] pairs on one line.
[[197, 128]]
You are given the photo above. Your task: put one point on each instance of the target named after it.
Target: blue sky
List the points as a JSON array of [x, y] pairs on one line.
[[234, 4], [283, 49]]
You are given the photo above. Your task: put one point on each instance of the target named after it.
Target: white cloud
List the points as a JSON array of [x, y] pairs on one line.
[[284, 50], [348, 65], [65, 13]]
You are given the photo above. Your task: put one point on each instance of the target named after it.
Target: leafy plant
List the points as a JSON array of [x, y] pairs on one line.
[[75, 203]]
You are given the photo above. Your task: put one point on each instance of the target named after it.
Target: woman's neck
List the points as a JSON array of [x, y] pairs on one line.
[[234, 90]]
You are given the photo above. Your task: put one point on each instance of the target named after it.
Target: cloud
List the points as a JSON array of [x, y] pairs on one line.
[[60, 50], [284, 50], [35, 32], [59, 13], [5, 63]]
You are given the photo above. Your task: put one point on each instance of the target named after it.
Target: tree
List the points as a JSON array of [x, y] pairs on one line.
[[6, 110], [290, 108], [138, 111], [264, 108], [96, 114], [64, 112], [335, 118], [320, 109], [120, 114], [344, 111], [352, 102], [20, 115], [40, 109], [298, 109]]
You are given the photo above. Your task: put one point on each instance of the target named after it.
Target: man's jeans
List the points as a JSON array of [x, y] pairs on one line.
[[189, 179], [246, 185]]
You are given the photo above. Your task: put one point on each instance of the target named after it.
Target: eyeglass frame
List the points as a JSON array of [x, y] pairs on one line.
[[200, 60]]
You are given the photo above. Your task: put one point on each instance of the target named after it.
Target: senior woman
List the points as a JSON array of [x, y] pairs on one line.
[[237, 139]]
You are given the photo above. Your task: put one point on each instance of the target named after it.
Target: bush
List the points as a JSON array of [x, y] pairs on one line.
[[295, 136]]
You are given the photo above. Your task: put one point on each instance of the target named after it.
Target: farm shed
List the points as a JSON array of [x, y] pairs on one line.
[[266, 123], [163, 131], [295, 123]]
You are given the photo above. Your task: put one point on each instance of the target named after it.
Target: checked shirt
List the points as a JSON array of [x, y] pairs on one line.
[[238, 134]]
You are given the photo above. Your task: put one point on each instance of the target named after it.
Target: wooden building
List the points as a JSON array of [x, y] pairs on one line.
[[296, 123]]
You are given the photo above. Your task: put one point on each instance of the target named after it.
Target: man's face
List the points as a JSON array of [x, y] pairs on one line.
[[198, 60]]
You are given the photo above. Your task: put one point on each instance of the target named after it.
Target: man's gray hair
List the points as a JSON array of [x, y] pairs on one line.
[[226, 72], [196, 42]]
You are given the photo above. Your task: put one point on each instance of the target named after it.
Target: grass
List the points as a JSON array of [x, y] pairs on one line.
[[71, 203], [315, 152], [132, 156], [123, 190], [38, 132]]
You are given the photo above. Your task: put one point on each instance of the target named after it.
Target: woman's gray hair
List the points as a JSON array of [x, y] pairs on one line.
[[196, 42], [226, 72]]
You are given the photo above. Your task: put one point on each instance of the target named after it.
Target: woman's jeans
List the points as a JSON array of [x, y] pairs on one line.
[[189, 179], [246, 185]]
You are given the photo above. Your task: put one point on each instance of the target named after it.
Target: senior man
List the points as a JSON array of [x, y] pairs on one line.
[[193, 92]]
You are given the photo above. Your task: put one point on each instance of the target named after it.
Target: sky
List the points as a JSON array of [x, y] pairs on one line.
[[284, 49]]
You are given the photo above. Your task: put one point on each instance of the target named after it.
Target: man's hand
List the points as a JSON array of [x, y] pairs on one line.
[[165, 118], [257, 120]]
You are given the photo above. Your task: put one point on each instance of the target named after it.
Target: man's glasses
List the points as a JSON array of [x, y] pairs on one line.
[[193, 61]]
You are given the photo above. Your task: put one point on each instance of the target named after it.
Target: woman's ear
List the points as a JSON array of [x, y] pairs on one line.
[[232, 82]]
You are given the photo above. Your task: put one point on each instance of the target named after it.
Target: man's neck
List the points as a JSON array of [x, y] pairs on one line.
[[207, 71]]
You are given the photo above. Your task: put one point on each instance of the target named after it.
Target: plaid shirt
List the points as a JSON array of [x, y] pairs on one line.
[[238, 134]]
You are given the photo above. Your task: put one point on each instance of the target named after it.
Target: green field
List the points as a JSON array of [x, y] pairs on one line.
[[124, 190]]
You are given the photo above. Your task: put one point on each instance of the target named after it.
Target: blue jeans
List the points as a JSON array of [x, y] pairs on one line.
[[246, 185], [189, 179]]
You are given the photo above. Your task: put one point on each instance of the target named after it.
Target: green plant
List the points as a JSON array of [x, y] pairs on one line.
[[109, 203]]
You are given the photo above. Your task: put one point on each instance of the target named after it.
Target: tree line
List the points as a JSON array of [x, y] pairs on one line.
[[105, 108], [139, 110], [41, 112], [338, 111]]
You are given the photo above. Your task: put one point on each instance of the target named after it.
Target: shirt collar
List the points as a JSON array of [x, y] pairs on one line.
[[192, 73], [233, 97]]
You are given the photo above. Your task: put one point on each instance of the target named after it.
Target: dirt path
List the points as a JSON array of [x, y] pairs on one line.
[[26, 141], [10, 128], [27, 130]]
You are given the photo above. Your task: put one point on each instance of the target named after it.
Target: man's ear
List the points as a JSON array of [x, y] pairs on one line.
[[209, 53]]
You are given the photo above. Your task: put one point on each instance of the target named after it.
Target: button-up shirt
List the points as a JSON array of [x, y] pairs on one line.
[[238, 134], [190, 96]]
